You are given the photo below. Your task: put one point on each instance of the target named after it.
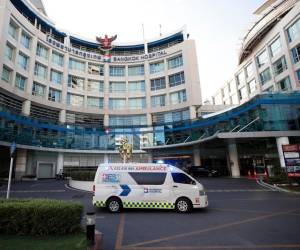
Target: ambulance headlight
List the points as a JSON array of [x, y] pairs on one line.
[[202, 193]]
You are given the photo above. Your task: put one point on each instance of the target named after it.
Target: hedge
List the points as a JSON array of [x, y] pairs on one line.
[[39, 217], [83, 175]]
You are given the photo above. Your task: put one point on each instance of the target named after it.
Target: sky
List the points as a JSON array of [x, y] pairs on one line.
[[217, 26]]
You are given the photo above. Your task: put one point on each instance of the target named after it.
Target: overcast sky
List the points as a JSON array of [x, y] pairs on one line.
[[216, 25]]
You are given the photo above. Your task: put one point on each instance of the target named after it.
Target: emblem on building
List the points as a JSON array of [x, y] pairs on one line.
[[125, 149], [106, 45]]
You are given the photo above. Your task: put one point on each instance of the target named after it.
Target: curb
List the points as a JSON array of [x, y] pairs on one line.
[[275, 188]]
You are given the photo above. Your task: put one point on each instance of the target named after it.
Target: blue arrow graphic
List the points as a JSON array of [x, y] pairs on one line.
[[126, 190]]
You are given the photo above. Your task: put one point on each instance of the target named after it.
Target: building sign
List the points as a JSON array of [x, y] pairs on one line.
[[291, 155], [103, 58], [140, 168]]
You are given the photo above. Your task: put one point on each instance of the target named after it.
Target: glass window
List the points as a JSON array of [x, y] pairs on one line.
[[158, 101], [136, 86], [241, 78], [76, 65], [275, 47], [136, 70], [38, 89], [9, 52], [294, 31], [270, 89], [252, 86], [23, 61], [157, 67], [298, 75], [134, 120], [265, 76], [262, 58], [137, 103], [158, 83], [57, 58], [116, 70], [54, 95], [243, 93], [6, 74], [148, 178], [56, 77], [176, 79], [181, 178], [95, 86], [42, 51], [75, 82], [178, 97], [20, 82], [13, 30], [96, 69], [175, 62], [40, 71], [279, 66], [75, 100], [117, 87], [284, 84], [95, 102], [25, 40], [117, 103], [296, 53], [249, 70]]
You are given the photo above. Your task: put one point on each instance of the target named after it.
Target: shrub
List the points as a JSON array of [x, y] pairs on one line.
[[39, 217], [83, 175]]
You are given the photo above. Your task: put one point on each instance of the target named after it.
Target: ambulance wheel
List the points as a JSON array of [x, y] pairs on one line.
[[183, 205], [114, 205]]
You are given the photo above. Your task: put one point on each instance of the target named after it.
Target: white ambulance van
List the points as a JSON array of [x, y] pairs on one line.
[[146, 185]]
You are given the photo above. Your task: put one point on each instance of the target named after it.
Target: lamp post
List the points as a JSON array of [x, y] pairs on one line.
[[90, 227], [12, 155]]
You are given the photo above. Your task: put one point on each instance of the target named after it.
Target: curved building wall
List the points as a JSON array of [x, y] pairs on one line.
[[42, 70], [272, 64]]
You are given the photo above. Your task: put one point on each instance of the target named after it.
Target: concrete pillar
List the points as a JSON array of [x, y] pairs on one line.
[[193, 112], [106, 120], [62, 116], [26, 107], [281, 141], [150, 157], [106, 158], [233, 159], [60, 162], [21, 161], [196, 156]]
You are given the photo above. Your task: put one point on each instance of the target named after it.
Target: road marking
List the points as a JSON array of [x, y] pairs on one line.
[[36, 191], [271, 246], [212, 228], [120, 232], [238, 190], [97, 217], [238, 210]]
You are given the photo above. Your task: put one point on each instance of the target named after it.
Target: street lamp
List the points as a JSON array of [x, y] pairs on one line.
[[90, 227]]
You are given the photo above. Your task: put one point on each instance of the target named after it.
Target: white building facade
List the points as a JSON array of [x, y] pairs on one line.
[[269, 55]]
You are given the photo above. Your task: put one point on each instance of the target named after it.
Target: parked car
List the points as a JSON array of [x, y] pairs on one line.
[[202, 171]]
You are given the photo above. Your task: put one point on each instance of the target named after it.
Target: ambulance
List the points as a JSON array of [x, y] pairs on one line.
[[146, 185]]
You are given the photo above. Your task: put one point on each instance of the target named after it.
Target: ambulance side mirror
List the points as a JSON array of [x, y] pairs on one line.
[[193, 182]]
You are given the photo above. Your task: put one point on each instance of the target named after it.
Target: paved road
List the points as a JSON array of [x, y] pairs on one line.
[[241, 215]]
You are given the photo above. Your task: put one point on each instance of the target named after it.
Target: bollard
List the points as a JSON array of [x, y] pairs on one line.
[[90, 227]]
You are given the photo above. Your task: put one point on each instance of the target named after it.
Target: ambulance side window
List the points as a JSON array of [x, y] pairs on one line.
[[181, 178], [148, 178]]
